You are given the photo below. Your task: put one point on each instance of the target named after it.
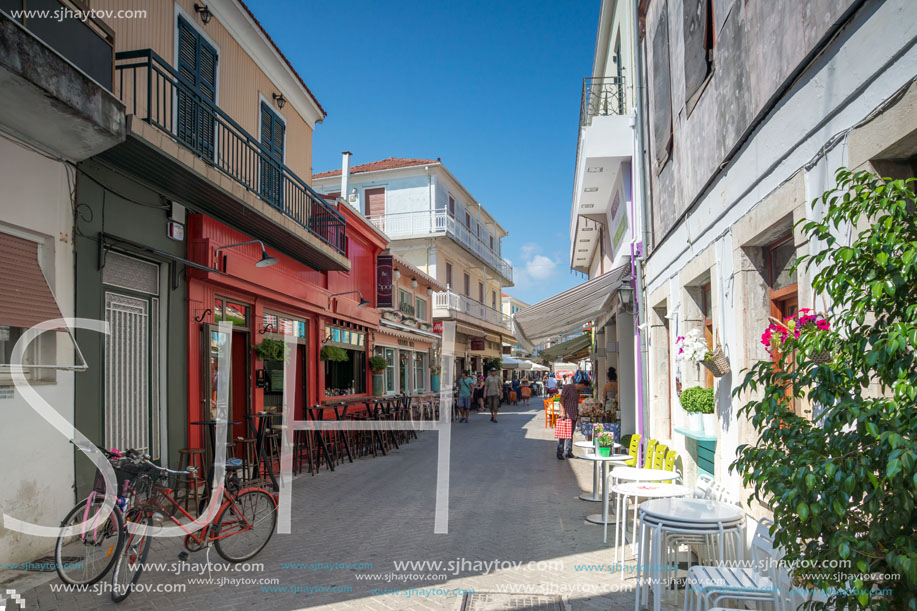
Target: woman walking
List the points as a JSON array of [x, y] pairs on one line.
[[478, 396]]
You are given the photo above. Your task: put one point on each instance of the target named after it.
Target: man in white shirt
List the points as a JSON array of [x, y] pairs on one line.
[[551, 385], [492, 389]]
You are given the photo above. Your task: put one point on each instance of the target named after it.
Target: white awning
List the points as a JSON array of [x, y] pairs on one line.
[[572, 308], [511, 363]]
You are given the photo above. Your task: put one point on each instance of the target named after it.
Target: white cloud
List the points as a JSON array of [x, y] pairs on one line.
[[529, 250], [540, 267]]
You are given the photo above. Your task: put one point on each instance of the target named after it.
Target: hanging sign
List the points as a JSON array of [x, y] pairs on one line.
[[477, 343], [384, 281], [438, 327]]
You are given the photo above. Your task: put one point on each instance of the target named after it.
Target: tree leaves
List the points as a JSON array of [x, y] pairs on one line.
[[843, 485]]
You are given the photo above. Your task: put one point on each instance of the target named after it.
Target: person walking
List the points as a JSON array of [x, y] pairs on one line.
[[569, 406], [465, 385], [492, 388], [551, 385], [610, 393], [478, 395], [517, 387]]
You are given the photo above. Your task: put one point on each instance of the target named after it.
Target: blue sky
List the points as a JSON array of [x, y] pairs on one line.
[[492, 88]]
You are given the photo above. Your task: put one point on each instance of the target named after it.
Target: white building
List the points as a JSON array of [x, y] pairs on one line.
[[437, 226], [605, 222], [56, 110]]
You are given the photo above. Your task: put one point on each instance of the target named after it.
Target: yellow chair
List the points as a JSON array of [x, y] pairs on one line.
[[650, 453], [659, 459], [670, 459], [633, 451], [548, 404]]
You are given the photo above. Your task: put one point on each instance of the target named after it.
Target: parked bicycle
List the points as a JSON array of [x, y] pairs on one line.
[[240, 528]]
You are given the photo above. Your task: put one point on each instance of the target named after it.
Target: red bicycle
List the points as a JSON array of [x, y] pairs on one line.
[[240, 528]]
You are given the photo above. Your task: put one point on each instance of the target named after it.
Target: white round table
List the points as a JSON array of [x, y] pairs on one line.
[[635, 474], [638, 490], [604, 461], [691, 517], [589, 446]]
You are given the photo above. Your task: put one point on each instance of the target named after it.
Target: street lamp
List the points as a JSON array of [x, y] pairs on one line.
[[363, 302], [266, 260]]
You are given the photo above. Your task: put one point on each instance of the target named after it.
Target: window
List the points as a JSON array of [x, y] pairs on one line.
[[197, 68], [419, 371], [232, 312], [346, 377], [405, 302], [491, 242], [448, 274], [784, 299], [480, 292], [375, 201], [707, 312], [467, 285], [389, 375], [272, 139], [660, 93], [420, 308], [493, 299], [451, 206], [698, 39], [467, 220]]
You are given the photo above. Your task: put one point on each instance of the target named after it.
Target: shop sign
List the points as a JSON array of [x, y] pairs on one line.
[[507, 349], [477, 343], [405, 342], [438, 327], [384, 281]]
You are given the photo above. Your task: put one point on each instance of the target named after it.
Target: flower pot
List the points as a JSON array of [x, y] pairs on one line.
[[717, 363], [378, 384], [695, 422], [604, 450], [709, 424], [434, 382]]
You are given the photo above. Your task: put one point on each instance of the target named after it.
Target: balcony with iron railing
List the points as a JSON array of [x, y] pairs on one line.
[[152, 90], [447, 300], [432, 222], [602, 97]]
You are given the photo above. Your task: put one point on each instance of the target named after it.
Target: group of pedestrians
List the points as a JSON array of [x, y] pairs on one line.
[[483, 390]]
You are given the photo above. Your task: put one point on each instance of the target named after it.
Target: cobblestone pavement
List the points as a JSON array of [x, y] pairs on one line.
[[511, 500]]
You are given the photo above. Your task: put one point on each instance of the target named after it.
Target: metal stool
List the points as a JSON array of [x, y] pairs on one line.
[[246, 451], [191, 457]]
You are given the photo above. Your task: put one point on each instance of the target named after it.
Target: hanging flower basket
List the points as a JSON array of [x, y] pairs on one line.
[[779, 331], [716, 361]]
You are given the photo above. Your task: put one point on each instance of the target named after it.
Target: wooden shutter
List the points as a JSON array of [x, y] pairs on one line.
[[197, 70], [467, 285], [375, 202], [480, 292], [449, 274], [25, 298]]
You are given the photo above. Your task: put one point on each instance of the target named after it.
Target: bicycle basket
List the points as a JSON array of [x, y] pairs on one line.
[[126, 474]]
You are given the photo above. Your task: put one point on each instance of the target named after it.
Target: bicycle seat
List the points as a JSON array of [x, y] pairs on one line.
[[233, 464]]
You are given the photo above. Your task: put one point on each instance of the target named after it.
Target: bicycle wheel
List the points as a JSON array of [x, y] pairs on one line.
[[242, 530], [133, 554], [85, 556]]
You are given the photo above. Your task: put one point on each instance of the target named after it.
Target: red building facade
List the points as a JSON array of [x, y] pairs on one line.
[[263, 303]]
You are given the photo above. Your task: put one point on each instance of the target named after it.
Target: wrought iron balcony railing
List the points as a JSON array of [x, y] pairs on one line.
[[602, 96], [425, 222], [447, 300], [153, 91]]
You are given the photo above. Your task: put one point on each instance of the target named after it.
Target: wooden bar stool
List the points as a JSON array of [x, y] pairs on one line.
[[246, 449]]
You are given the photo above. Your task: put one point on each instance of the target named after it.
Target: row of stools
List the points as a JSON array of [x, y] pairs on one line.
[[314, 449]]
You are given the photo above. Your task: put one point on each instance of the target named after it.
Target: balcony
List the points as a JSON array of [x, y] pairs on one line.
[[600, 200], [432, 222], [447, 300], [153, 93], [55, 79], [602, 97]]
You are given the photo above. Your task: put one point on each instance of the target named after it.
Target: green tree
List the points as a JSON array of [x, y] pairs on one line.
[[842, 486]]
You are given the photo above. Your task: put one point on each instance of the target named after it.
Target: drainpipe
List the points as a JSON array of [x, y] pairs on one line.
[[638, 188]]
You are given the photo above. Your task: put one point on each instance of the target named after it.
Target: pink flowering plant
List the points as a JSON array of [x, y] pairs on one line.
[[804, 321]]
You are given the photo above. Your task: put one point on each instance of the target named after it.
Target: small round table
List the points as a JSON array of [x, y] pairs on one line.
[[661, 518], [590, 447], [638, 490], [604, 461]]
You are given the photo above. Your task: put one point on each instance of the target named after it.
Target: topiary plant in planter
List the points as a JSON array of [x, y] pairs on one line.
[[271, 350], [699, 403]]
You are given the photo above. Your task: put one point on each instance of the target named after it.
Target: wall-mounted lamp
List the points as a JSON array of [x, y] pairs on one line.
[[266, 260], [363, 302], [429, 291], [413, 283], [204, 12], [625, 293], [396, 275], [279, 100]]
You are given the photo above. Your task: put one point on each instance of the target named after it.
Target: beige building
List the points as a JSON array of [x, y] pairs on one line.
[[437, 226]]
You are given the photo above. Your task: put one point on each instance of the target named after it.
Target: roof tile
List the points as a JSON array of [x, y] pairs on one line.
[[391, 163]]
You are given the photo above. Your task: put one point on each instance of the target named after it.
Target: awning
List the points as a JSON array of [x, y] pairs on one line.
[[571, 348], [569, 309], [511, 363], [408, 332]]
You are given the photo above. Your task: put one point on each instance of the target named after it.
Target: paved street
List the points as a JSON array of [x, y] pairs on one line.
[[511, 500]]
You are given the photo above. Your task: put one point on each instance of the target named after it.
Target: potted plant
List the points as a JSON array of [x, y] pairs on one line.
[[434, 377], [692, 347], [698, 402], [377, 366], [332, 353], [271, 350], [605, 440]]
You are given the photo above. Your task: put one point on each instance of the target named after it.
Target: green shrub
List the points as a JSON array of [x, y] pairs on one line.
[[333, 353], [377, 364], [697, 400]]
